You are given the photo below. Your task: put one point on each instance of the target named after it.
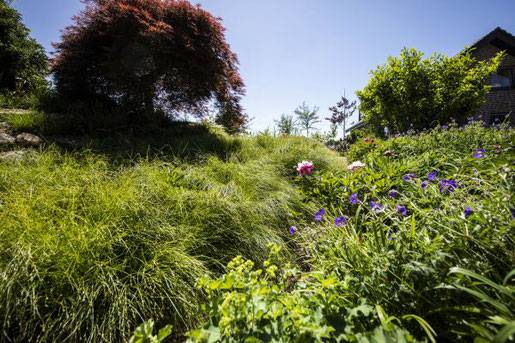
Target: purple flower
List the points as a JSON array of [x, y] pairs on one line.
[[393, 193], [375, 206], [354, 198], [468, 211], [432, 176], [389, 236], [402, 210], [479, 153], [319, 215], [293, 229], [409, 176], [513, 213], [445, 127], [448, 186], [340, 221], [424, 185]]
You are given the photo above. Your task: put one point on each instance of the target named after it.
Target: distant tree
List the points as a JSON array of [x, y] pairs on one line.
[[286, 124], [307, 117], [410, 91], [343, 110], [150, 55], [22, 59]]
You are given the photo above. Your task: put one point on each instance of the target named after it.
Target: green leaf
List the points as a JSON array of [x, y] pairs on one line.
[[504, 334], [457, 270], [430, 332]]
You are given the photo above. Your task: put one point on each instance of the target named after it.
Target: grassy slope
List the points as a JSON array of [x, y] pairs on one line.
[[93, 241]]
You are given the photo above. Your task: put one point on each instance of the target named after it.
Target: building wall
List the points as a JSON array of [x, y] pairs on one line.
[[498, 100]]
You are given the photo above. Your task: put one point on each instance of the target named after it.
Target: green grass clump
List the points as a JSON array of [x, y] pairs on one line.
[[96, 240], [23, 121]]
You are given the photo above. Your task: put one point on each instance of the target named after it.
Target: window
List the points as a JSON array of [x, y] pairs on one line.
[[503, 79]]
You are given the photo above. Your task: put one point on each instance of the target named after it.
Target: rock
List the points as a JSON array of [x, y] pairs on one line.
[[14, 110], [11, 156], [28, 139], [6, 139], [6, 128]]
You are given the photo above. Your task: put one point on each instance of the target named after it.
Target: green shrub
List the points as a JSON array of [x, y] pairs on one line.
[[93, 243], [410, 92]]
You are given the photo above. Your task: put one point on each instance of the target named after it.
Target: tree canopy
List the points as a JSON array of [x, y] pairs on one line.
[[307, 117], [150, 55], [410, 91], [341, 111], [22, 59]]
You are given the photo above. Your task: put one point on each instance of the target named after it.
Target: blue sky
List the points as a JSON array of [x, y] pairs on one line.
[[292, 51]]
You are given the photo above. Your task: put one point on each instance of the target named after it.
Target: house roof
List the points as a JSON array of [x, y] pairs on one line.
[[355, 126], [499, 38]]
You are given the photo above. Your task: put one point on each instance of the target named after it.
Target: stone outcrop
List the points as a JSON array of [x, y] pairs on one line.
[[6, 139], [28, 140]]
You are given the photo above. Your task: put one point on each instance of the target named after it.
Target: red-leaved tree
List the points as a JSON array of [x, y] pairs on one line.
[[149, 55]]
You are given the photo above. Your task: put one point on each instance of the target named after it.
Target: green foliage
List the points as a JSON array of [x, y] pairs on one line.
[[307, 117], [413, 269], [144, 333], [24, 121], [412, 92], [278, 303], [286, 124], [401, 262], [22, 59], [496, 304], [93, 241], [12, 100]]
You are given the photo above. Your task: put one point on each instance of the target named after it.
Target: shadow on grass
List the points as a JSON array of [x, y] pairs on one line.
[[176, 140], [121, 138]]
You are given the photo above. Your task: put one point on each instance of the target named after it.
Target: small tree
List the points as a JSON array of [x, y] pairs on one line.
[[286, 124], [307, 117], [343, 110], [410, 91], [22, 59], [150, 55]]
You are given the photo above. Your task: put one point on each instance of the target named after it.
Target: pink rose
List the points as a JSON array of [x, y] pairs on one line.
[[304, 168]]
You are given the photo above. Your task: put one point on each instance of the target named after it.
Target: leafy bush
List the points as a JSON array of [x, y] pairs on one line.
[[22, 59], [94, 242], [410, 92]]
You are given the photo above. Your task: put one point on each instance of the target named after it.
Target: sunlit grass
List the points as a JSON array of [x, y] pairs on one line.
[[93, 242]]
